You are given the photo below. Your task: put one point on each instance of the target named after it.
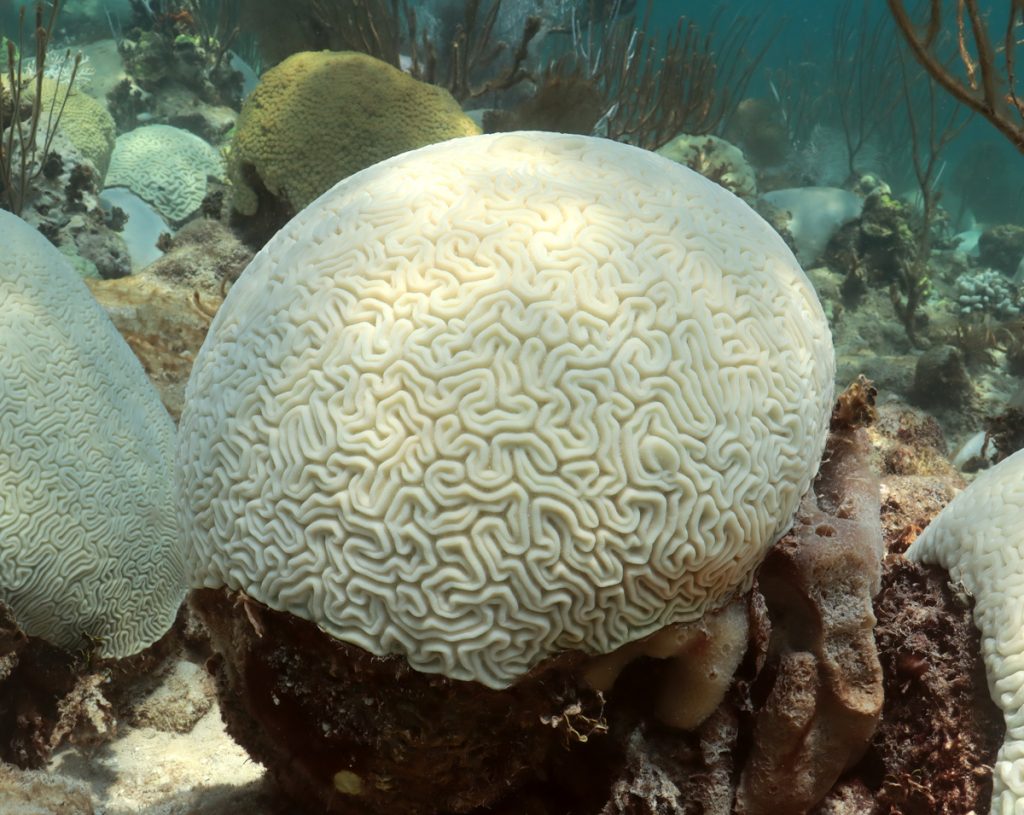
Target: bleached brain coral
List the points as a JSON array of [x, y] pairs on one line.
[[89, 538], [501, 397], [979, 539], [166, 166]]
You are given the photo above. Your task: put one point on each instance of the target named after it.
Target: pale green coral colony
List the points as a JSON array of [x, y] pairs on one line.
[[90, 545]]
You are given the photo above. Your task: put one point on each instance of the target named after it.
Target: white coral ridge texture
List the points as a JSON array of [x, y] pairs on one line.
[[165, 166], [502, 397], [89, 540], [979, 539]]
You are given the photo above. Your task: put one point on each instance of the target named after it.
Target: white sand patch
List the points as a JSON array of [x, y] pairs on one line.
[[146, 771]]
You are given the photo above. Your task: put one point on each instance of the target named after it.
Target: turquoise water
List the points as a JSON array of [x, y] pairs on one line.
[[826, 79]]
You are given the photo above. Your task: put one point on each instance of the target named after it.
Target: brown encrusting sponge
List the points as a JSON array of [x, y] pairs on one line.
[[822, 684]]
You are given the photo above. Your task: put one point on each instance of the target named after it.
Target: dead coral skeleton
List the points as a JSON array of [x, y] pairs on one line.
[[251, 612]]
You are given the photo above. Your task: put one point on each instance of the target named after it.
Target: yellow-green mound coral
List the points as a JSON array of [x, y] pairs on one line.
[[84, 121], [319, 117]]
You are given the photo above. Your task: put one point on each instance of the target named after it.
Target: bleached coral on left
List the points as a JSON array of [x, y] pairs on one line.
[[59, 69], [89, 545]]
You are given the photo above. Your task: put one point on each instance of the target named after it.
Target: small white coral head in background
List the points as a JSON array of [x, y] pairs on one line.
[[502, 397], [979, 540], [168, 167]]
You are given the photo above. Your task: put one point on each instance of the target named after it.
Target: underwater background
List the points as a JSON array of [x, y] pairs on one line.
[[157, 155]]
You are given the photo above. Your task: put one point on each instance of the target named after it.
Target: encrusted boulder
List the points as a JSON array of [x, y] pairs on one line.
[[941, 378], [716, 159], [1002, 247]]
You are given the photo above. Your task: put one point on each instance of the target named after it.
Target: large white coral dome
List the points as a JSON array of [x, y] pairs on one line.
[[502, 397]]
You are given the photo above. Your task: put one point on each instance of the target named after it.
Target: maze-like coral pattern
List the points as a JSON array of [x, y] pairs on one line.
[[165, 166], [89, 539], [979, 539], [505, 396]]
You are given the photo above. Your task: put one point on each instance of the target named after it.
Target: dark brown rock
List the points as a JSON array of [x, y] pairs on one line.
[[45, 692], [343, 731], [1002, 247], [933, 752], [941, 378]]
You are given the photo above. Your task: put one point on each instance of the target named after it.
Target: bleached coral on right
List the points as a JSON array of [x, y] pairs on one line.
[[979, 539]]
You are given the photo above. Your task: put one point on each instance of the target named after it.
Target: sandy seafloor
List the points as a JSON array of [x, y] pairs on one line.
[[152, 768]]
